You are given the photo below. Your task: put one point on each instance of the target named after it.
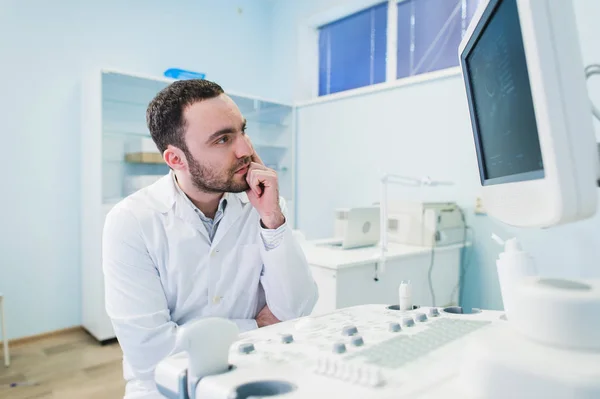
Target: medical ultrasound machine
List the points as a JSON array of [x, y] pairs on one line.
[[539, 168]]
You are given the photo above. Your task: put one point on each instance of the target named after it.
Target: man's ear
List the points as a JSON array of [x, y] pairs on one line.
[[175, 158]]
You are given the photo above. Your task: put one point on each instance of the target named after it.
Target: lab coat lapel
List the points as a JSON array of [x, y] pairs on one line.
[[184, 211], [232, 213], [168, 199]]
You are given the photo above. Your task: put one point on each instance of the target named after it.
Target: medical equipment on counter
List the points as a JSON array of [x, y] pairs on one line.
[[384, 223], [349, 277], [538, 167], [425, 223], [355, 228]]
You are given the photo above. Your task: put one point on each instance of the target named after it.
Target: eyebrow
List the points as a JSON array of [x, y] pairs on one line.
[[227, 130]]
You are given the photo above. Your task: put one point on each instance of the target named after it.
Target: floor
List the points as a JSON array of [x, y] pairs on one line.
[[69, 365]]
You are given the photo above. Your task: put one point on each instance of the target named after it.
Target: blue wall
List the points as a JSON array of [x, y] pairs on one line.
[[46, 47], [414, 130]]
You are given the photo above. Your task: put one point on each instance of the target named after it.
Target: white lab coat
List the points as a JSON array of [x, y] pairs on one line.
[[161, 271]]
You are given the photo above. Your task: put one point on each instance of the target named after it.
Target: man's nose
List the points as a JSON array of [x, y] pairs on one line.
[[243, 147]]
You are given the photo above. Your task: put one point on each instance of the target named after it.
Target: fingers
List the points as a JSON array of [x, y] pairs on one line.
[[256, 165], [260, 177], [265, 317]]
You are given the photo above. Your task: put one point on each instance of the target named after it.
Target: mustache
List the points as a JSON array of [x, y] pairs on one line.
[[242, 163]]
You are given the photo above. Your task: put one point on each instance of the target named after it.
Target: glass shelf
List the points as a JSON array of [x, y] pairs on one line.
[[261, 113], [116, 133]]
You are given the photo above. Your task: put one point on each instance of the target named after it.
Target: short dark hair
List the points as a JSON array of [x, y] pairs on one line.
[[164, 115]]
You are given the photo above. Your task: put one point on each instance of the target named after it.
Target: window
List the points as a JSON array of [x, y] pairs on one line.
[[353, 50], [429, 32]]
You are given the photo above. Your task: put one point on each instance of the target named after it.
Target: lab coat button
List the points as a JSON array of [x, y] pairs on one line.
[[216, 299]]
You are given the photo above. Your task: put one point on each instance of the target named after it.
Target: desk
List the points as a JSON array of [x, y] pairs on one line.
[[347, 277]]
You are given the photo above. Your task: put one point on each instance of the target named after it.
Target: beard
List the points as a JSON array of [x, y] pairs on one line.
[[209, 180]]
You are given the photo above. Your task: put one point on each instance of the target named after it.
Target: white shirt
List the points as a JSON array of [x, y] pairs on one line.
[[162, 270]]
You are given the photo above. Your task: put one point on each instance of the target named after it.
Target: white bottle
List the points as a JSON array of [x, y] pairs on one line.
[[513, 264], [405, 296]]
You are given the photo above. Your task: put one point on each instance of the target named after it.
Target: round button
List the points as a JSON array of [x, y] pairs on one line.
[[339, 347], [287, 338], [357, 341], [434, 312], [421, 317], [408, 322], [394, 327], [350, 330], [246, 348]]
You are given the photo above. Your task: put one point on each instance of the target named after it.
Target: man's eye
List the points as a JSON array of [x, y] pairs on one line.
[[223, 140]]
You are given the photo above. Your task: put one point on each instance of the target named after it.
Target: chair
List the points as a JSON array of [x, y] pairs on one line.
[[3, 328]]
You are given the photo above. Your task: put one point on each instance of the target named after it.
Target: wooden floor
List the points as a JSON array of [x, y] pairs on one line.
[[70, 365]]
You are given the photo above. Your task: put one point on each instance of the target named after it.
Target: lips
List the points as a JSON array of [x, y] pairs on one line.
[[243, 169]]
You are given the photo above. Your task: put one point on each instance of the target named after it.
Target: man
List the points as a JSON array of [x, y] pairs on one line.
[[208, 239]]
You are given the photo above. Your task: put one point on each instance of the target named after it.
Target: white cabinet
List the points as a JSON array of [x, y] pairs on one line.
[[349, 277], [118, 158]]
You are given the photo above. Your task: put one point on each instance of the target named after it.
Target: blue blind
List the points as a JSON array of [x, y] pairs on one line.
[[429, 32], [352, 51]]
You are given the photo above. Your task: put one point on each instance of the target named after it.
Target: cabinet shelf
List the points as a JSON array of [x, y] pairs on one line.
[[144, 158]]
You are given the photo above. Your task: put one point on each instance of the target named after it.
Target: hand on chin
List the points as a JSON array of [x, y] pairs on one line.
[[263, 193]]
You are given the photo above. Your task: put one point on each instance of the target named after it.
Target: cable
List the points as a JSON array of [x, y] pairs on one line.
[[431, 263], [590, 70], [464, 265], [432, 256]]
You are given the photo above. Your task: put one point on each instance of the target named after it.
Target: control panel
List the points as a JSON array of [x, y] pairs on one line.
[[378, 351], [369, 351]]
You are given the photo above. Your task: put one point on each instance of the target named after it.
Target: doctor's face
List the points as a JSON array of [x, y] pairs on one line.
[[218, 151]]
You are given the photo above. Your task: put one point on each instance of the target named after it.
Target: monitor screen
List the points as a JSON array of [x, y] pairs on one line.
[[499, 96]]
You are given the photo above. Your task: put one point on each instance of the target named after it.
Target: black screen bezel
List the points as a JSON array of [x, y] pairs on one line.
[[487, 15]]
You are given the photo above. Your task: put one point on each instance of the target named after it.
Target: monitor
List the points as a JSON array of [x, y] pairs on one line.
[[530, 112]]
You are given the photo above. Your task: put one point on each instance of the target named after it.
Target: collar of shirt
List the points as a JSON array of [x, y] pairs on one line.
[[210, 224]]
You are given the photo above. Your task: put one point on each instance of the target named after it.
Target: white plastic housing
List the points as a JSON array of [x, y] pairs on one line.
[[558, 312], [503, 364], [568, 191], [207, 343]]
